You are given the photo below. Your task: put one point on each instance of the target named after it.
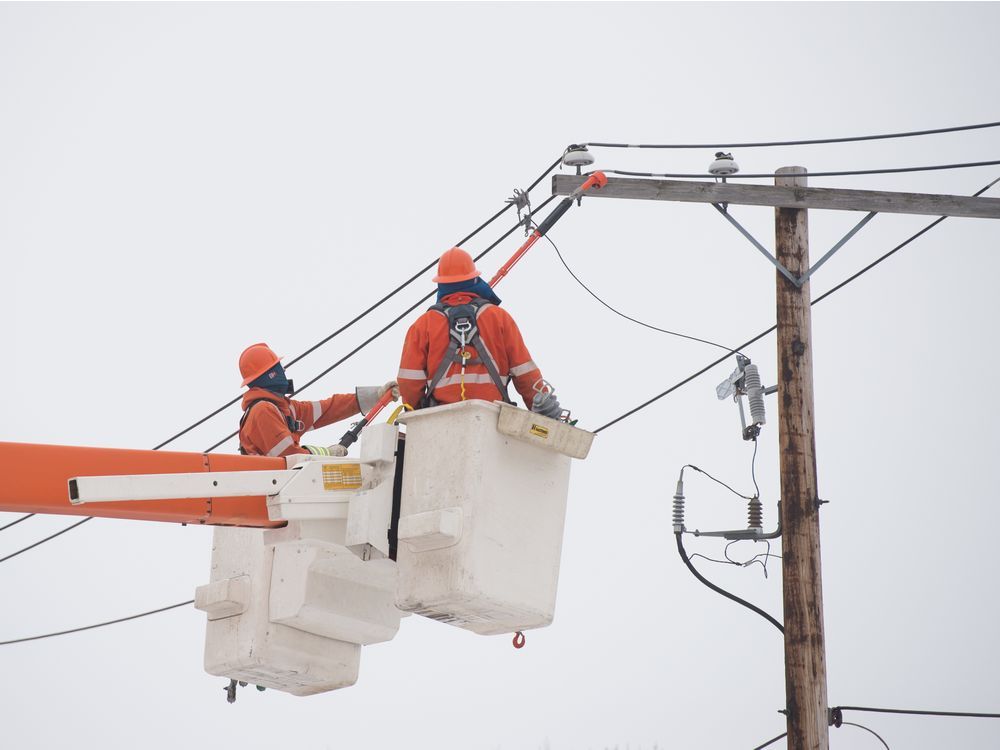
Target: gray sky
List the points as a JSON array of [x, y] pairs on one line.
[[179, 181]]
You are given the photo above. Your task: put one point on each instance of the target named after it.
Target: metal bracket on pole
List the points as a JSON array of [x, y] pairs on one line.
[[797, 280], [835, 248]]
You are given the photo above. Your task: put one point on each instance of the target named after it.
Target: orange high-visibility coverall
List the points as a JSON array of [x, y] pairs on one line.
[[426, 345], [265, 431]]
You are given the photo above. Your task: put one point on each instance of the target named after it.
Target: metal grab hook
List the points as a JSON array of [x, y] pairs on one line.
[[518, 639]]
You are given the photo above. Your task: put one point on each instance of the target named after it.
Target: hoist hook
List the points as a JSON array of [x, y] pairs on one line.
[[518, 639]]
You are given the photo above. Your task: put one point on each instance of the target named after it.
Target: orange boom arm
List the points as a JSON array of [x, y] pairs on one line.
[[36, 480]]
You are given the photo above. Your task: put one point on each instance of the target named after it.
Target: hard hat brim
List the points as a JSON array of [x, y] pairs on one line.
[[456, 278]]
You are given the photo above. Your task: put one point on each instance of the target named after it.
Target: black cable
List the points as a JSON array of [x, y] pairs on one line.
[[357, 318], [733, 597], [43, 541], [753, 469], [913, 712], [98, 625], [771, 741], [629, 317], [843, 173], [15, 523], [872, 731], [717, 481], [810, 142], [819, 299], [390, 324]]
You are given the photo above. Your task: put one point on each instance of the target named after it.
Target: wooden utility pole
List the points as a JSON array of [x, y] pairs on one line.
[[805, 648]]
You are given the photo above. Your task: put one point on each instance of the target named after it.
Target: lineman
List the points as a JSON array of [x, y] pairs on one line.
[[273, 424], [467, 347]]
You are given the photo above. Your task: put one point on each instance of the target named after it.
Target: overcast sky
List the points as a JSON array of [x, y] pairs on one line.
[[179, 181]]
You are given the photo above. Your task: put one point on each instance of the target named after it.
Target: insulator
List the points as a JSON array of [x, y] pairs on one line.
[[678, 513], [755, 514], [755, 394]]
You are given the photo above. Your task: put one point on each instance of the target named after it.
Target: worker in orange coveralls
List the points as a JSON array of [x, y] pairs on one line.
[[467, 347], [273, 424]]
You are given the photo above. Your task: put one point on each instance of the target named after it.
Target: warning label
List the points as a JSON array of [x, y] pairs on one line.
[[341, 477], [539, 431]]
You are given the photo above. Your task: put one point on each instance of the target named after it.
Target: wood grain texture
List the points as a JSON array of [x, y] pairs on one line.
[[805, 650], [785, 196]]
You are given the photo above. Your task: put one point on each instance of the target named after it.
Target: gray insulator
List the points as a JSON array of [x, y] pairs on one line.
[[547, 405], [755, 514], [755, 394]]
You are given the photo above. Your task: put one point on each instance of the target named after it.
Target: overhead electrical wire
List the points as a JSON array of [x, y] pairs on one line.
[[15, 523], [391, 323], [97, 625], [377, 304], [841, 173], [771, 741], [46, 539], [870, 731], [340, 330], [915, 712], [809, 142], [816, 301], [629, 317]]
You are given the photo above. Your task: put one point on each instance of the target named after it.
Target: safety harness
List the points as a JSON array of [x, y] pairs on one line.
[[463, 329], [294, 425]]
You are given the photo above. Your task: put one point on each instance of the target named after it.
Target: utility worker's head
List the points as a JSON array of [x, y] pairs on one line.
[[457, 272], [261, 368]]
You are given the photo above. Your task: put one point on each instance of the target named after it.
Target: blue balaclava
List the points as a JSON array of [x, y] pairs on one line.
[[476, 286], [274, 380]]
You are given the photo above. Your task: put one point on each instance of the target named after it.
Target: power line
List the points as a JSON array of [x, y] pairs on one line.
[[819, 299], [629, 317], [870, 731], [357, 318], [391, 323], [810, 142], [844, 173], [98, 625], [771, 741], [915, 712], [46, 539], [15, 523]]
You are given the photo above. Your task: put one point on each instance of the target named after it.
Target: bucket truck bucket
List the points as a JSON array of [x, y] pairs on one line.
[[482, 508]]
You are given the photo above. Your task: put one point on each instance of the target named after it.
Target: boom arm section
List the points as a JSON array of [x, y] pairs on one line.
[[35, 479]]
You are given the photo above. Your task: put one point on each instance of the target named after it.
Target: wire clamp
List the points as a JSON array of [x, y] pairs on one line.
[[518, 639], [522, 203]]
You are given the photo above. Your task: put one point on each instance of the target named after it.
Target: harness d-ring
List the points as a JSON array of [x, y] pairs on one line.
[[518, 639]]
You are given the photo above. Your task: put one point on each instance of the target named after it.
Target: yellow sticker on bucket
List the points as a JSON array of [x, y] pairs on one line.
[[341, 477], [539, 431]]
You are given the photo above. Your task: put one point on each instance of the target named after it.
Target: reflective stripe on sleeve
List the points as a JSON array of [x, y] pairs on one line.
[[281, 446], [411, 374], [317, 411], [527, 367]]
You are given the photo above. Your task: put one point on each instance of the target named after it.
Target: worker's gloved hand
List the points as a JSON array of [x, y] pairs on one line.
[[391, 384], [337, 450], [546, 404]]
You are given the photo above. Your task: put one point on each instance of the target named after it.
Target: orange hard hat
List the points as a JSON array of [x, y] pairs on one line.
[[455, 265], [255, 361]]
